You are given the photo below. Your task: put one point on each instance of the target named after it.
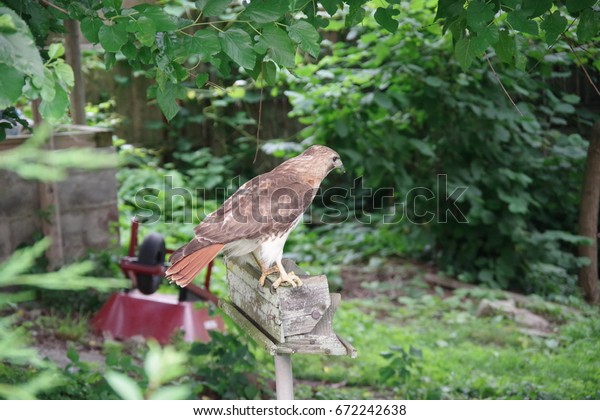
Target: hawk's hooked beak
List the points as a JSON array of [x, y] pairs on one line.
[[339, 165]]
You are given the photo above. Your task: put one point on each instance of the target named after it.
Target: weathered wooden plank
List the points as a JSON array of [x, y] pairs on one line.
[[287, 320], [258, 303], [287, 312], [302, 344], [250, 329]]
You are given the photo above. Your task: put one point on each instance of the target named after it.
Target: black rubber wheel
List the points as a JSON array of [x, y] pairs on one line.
[[152, 252]]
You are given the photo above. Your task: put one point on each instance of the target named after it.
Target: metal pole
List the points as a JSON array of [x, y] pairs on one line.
[[284, 380]]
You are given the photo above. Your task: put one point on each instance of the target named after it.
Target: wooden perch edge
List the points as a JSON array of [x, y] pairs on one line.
[[290, 320]]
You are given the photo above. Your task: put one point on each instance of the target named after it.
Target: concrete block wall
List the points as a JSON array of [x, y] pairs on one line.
[[87, 202]]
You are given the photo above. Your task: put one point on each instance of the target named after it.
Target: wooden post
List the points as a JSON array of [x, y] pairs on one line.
[[588, 218], [284, 321], [73, 55], [50, 206], [284, 379]]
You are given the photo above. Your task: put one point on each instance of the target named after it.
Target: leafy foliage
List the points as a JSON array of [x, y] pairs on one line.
[[26, 74], [227, 367], [257, 37], [404, 116], [476, 25], [161, 366], [26, 161]]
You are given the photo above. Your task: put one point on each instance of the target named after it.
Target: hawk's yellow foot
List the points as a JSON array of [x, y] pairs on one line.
[[290, 278], [265, 273]]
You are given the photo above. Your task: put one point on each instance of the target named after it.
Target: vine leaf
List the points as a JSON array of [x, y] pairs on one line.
[[201, 80], [464, 53], [265, 11], [90, 28], [589, 25], [506, 47], [554, 25], [279, 45], [304, 34], [520, 22], [212, 7], [144, 30], [479, 14], [574, 6], [113, 37], [167, 99], [234, 43], [11, 84], [385, 17]]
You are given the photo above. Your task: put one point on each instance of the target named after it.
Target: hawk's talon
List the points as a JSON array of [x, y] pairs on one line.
[[266, 273], [290, 278]]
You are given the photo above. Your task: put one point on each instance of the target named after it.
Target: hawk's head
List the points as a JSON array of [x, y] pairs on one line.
[[326, 158]]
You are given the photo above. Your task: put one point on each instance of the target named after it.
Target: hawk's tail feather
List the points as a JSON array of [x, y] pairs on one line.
[[186, 267]]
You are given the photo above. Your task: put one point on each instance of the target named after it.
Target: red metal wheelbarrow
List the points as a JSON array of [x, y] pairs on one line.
[[140, 311]]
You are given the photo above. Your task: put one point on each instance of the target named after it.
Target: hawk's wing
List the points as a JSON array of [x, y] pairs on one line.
[[268, 204]]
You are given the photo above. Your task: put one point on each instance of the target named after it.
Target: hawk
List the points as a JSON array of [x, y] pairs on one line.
[[258, 218]]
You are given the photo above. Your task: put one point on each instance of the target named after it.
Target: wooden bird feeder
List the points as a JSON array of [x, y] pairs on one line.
[[285, 320]]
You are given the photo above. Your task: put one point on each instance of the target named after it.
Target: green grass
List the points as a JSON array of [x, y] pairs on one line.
[[459, 355]]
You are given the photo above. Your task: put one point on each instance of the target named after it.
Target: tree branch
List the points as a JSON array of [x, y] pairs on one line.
[[587, 75], [502, 86], [46, 2]]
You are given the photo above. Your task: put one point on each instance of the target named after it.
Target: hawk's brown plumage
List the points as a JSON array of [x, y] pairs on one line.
[[258, 218]]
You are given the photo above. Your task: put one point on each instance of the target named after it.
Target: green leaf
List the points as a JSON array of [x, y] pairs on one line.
[[72, 354], [113, 37], [7, 25], [489, 35], [11, 85], [64, 72], [519, 22], [112, 4], [330, 6], [269, 72], [167, 100], [144, 30], [304, 34], [356, 13], [172, 392], [553, 26], [18, 50], [464, 52], [163, 21], [279, 45], [506, 47], [479, 14], [124, 386], [90, 28], [574, 6], [206, 43], [201, 80], [449, 9], [385, 17], [589, 25], [535, 8], [265, 11], [457, 28], [212, 7], [56, 50], [110, 59], [237, 45], [55, 109], [129, 51], [46, 85]]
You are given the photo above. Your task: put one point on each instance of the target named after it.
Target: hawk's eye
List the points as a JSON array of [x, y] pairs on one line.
[[335, 158]]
